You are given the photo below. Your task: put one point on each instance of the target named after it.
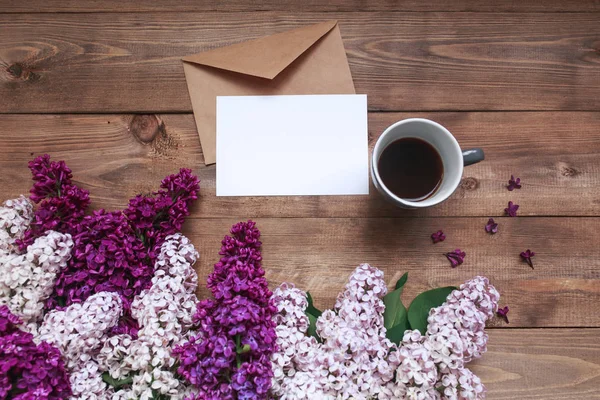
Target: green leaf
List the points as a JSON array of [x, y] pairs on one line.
[[116, 383], [402, 281], [311, 309], [396, 333], [395, 312], [312, 326], [419, 308], [312, 313]]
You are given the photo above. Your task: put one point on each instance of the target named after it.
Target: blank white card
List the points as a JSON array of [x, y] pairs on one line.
[[292, 145]]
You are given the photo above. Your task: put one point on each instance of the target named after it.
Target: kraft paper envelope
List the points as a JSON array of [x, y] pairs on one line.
[[308, 60]]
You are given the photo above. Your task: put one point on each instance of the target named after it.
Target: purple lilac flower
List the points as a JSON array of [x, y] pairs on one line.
[[503, 313], [107, 256], [511, 210], [8, 321], [113, 251], [153, 218], [61, 204], [29, 371], [491, 226], [438, 236], [513, 183], [526, 256], [230, 356], [456, 257]]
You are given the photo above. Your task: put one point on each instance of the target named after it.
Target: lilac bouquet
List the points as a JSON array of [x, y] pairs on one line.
[[355, 359], [92, 305], [103, 306]]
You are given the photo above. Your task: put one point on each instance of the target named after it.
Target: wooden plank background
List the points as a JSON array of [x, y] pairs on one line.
[[137, 6], [130, 62], [100, 84], [557, 155]]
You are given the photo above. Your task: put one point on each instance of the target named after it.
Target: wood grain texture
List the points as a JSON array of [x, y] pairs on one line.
[[318, 254], [556, 154], [37, 6], [541, 364], [103, 62]]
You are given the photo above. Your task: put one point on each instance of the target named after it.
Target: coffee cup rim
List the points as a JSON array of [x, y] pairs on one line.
[[377, 150]]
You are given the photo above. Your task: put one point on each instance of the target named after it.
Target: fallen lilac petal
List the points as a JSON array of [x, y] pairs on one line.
[[526, 256], [491, 226], [503, 313], [456, 257], [438, 236], [511, 210], [513, 183]]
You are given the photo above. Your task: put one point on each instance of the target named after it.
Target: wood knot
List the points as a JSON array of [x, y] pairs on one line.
[[146, 127], [469, 183], [567, 170], [18, 71]]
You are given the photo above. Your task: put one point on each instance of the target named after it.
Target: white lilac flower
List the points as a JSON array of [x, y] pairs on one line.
[[15, 217], [87, 383], [355, 359], [464, 313], [27, 280], [80, 330], [351, 361], [164, 313], [461, 384]]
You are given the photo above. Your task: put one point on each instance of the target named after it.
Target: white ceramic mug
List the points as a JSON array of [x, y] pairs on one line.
[[453, 158]]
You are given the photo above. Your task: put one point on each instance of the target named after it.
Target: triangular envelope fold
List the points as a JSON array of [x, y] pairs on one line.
[[264, 57]]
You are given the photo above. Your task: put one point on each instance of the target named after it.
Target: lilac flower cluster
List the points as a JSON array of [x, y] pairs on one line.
[[165, 313], [113, 251], [61, 205], [26, 280], [356, 360], [79, 332], [107, 256], [15, 218], [352, 360], [229, 358], [29, 370]]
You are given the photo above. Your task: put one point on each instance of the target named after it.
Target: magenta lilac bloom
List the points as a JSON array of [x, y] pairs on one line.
[[511, 210], [526, 256], [491, 226], [229, 358], [29, 371], [438, 236], [456, 257], [513, 183], [113, 251], [503, 313], [62, 205]]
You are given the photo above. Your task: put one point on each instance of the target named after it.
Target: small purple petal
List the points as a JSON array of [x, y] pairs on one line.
[[514, 183], [503, 313], [491, 227], [511, 210], [438, 236], [456, 257], [526, 256]]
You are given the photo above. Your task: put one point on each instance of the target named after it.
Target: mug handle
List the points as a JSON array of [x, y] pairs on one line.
[[472, 156]]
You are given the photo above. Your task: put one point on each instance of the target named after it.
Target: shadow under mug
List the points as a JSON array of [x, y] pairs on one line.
[[453, 158]]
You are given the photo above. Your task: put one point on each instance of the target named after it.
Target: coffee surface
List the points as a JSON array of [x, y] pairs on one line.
[[411, 168]]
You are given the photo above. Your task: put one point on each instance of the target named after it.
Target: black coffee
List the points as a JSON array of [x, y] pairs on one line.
[[411, 168]]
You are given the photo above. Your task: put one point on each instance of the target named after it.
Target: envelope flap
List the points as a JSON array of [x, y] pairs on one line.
[[265, 57]]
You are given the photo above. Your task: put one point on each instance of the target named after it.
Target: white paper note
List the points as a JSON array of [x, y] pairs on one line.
[[292, 145]]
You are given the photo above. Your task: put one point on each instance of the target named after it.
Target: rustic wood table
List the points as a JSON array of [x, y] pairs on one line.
[[101, 85]]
